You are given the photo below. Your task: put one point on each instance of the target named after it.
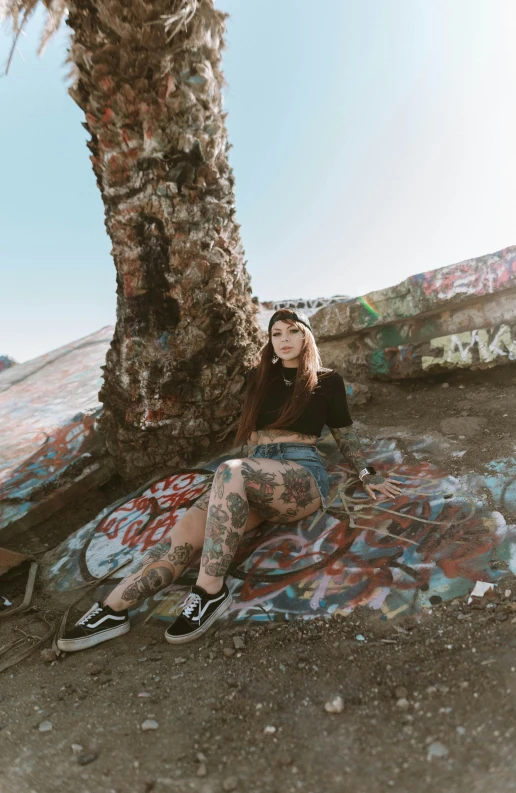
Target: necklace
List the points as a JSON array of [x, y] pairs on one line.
[[286, 380]]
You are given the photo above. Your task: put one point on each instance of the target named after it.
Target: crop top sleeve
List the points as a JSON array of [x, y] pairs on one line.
[[337, 411]]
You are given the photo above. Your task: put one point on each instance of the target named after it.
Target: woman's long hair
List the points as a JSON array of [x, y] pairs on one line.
[[261, 377]]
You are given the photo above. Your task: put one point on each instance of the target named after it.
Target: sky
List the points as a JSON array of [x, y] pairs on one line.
[[371, 140]]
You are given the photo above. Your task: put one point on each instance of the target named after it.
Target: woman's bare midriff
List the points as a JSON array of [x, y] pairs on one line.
[[280, 436]]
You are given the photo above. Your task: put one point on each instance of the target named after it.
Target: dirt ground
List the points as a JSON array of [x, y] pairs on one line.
[[426, 703]]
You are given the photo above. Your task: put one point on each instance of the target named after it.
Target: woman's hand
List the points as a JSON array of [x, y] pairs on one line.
[[384, 486]]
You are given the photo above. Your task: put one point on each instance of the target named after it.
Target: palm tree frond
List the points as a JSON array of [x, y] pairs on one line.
[[181, 18], [55, 15], [19, 12]]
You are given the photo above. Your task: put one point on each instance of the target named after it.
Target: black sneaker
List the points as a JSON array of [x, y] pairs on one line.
[[98, 625], [198, 612]]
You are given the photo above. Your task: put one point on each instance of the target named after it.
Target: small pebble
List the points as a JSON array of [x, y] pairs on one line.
[[48, 655], [180, 660], [269, 730], [437, 749], [45, 726], [360, 638], [401, 692], [334, 705], [238, 643], [87, 757], [230, 783], [76, 748], [445, 385], [150, 724], [403, 703], [202, 770], [228, 651]]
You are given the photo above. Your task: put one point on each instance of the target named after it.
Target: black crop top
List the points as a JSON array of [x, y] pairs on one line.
[[328, 404]]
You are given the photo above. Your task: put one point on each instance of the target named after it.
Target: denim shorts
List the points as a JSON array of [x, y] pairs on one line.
[[302, 453]]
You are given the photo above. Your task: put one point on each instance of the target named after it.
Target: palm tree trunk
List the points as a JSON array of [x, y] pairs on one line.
[[186, 331]]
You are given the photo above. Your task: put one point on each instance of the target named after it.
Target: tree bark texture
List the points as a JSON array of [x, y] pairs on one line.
[[186, 327]]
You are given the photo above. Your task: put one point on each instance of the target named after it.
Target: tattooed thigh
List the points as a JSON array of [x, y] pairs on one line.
[[281, 490]]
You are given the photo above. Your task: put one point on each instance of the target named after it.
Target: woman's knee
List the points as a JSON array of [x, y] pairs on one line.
[[229, 466], [227, 476]]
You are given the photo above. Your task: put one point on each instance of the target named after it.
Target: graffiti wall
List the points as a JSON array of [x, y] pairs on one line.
[[48, 410], [307, 305], [396, 557], [63, 463], [455, 317], [472, 348]]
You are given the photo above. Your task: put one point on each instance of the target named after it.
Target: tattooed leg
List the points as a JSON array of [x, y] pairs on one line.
[[280, 491], [260, 487], [151, 575], [166, 561], [298, 487], [154, 578], [270, 493], [163, 564], [228, 513]]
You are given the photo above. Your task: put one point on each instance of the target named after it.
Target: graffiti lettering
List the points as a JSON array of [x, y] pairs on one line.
[[473, 347]]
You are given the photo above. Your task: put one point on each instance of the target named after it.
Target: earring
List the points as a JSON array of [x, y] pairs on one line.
[[275, 359]]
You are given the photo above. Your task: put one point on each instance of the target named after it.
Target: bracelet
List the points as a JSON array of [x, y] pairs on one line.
[[367, 471]]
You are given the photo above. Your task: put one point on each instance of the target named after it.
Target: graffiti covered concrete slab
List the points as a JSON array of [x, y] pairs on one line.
[[60, 470], [396, 557], [471, 348], [48, 409], [456, 317], [307, 305]]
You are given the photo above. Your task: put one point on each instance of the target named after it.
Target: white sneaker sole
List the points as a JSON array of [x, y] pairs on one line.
[[203, 628], [72, 645]]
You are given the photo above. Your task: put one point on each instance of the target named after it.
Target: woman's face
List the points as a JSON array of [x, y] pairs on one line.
[[287, 340]]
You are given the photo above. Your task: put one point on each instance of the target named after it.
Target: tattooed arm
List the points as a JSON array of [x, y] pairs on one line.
[[350, 447]]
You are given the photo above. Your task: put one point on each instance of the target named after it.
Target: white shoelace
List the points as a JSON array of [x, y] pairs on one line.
[[89, 614], [190, 604]]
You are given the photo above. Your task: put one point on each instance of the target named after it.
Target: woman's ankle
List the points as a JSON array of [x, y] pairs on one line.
[[115, 604], [212, 586]]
